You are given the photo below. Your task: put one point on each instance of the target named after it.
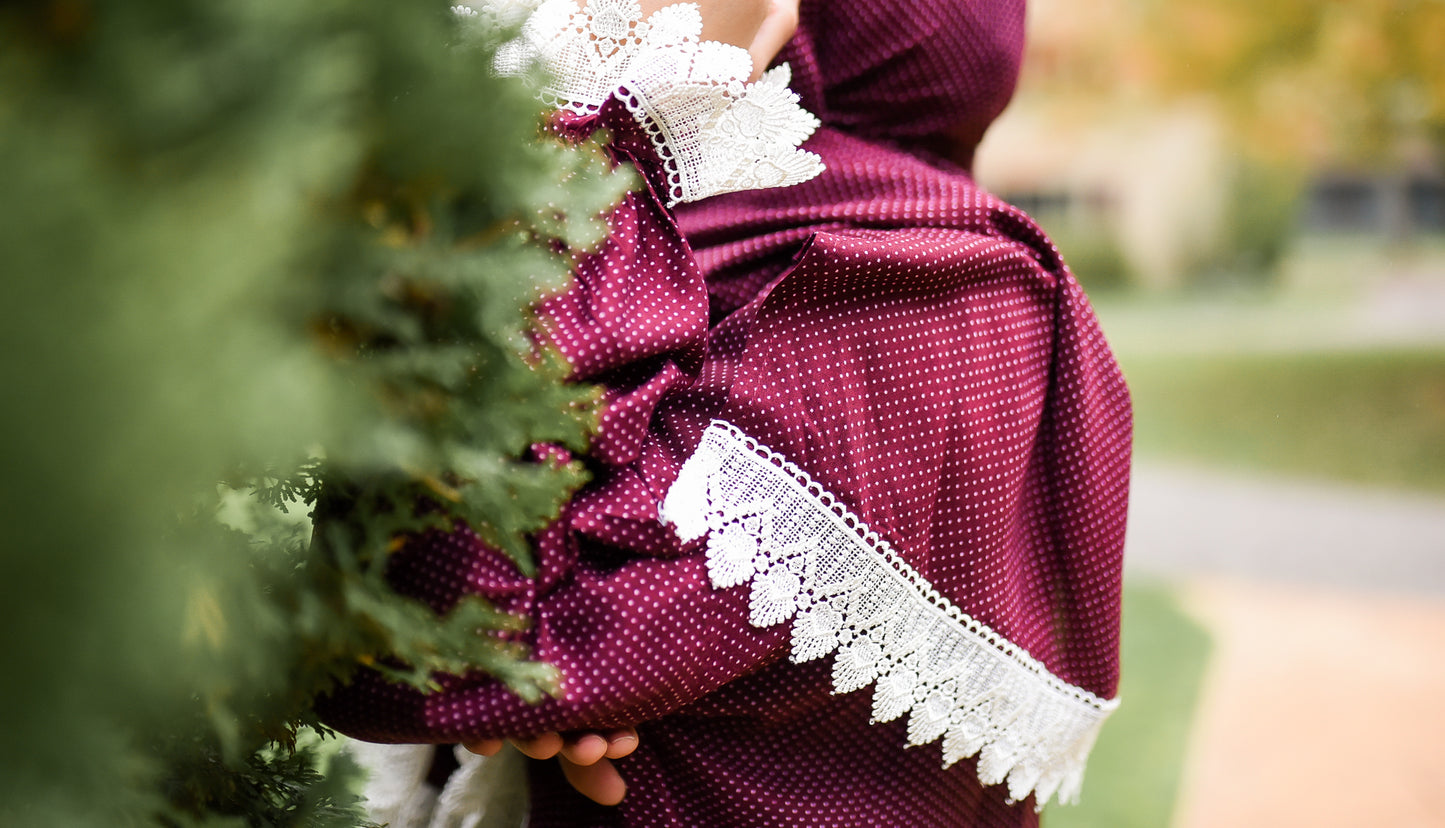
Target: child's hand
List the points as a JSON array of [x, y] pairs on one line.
[[585, 756]]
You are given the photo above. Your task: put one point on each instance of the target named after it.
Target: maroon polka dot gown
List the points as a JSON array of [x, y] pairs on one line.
[[914, 353]]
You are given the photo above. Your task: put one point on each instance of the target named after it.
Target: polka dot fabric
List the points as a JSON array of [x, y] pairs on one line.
[[912, 343]]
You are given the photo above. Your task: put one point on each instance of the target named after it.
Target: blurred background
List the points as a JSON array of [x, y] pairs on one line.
[[1254, 195]]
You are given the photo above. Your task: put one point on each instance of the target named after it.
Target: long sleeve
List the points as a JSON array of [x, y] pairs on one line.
[[627, 616]]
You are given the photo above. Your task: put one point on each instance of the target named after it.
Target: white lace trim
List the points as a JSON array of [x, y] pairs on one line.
[[810, 559], [714, 132]]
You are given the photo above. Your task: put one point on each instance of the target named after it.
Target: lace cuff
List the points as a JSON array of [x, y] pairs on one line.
[[810, 560], [714, 132]]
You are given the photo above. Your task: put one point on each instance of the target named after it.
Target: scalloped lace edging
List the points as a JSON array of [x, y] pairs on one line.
[[808, 558], [714, 132]]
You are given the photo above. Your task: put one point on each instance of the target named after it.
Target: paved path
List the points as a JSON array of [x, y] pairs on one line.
[[1400, 311], [1321, 705], [1186, 522]]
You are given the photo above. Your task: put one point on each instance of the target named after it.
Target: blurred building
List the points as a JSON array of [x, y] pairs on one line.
[[1147, 183], [1400, 205]]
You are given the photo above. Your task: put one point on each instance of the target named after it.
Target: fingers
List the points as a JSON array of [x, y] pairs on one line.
[[773, 34], [599, 782], [586, 758], [581, 748], [484, 747], [621, 743], [544, 746], [585, 748], [586, 762]]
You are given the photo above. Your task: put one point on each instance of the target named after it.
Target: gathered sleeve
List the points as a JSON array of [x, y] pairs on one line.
[[619, 606], [623, 609]]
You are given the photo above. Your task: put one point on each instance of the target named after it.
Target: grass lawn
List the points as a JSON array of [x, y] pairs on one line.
[[1375, 417], [1371, 416], [1256, 387], [1135, 768]]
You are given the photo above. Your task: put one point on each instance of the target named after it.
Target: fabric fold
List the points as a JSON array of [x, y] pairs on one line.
[[808, 559]]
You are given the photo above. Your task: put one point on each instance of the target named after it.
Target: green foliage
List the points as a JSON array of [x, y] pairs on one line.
[[1095, 257], [283, 785], [287, 246], [1369, 416], [1305, 80], [1260, 217]]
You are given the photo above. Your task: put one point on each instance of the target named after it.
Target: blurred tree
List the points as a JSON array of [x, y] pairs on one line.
[[1301, 87], [1360, 81], [252, 248]]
